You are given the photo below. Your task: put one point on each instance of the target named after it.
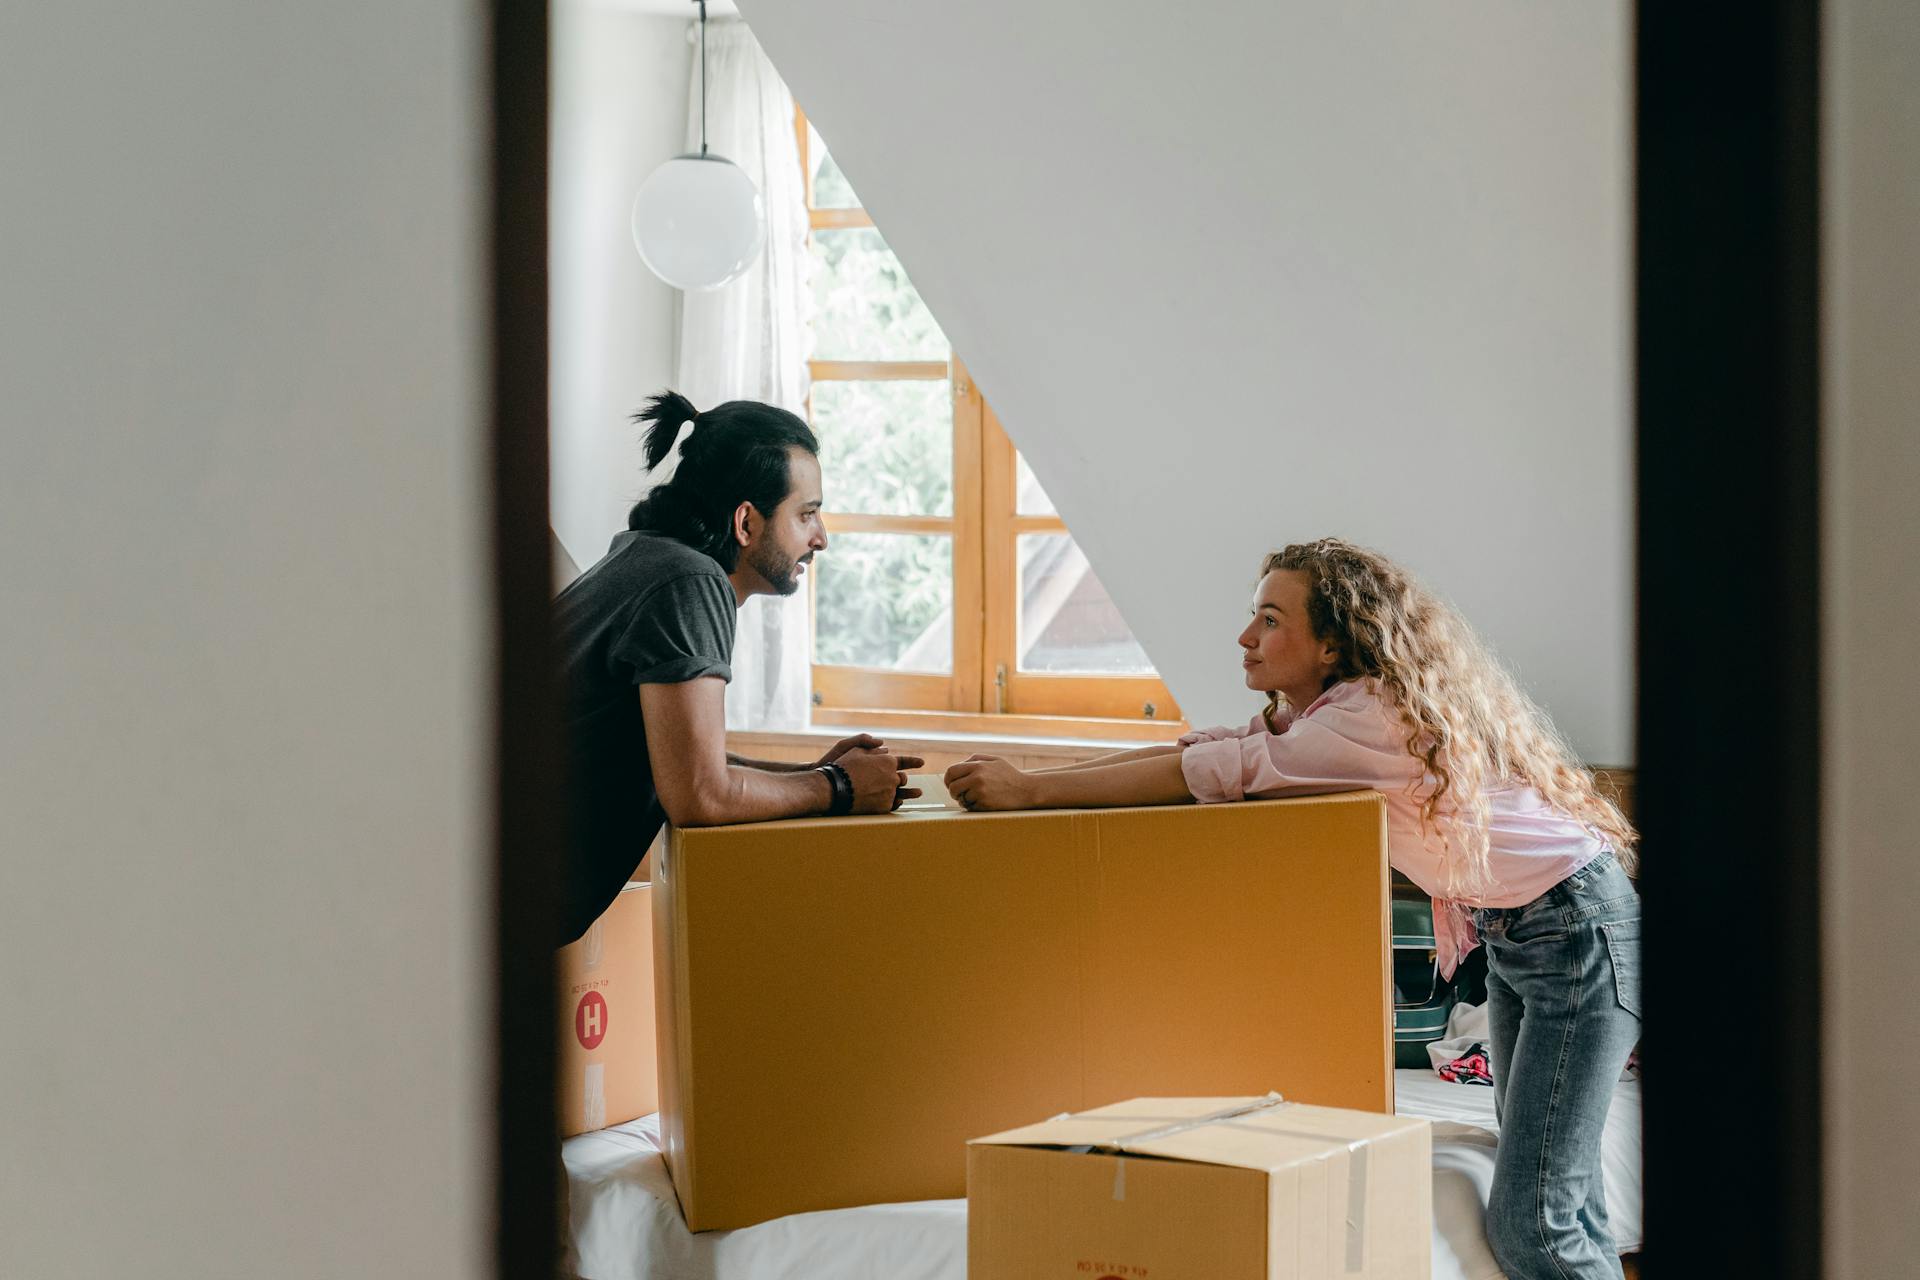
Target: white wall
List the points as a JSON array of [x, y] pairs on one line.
[[1871, 697], [244, 642], [1253, 273], [620, 80]]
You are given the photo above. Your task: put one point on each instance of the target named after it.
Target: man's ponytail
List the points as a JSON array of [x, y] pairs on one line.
[[666, 413]]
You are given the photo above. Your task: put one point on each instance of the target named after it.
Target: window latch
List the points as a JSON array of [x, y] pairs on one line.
[[1000, 689]]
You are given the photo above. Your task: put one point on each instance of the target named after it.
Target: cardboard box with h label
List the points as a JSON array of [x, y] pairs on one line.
[[1204, 1189], [608, 1073], [844, 1003]]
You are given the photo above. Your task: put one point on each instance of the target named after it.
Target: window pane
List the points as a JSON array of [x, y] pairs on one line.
[[1068, 623], [1031, 499], [884, 600], [886, 448], [865, 307], [830, 187]]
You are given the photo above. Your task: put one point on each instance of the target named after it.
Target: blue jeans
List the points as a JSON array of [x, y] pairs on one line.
[[1563, 1003]]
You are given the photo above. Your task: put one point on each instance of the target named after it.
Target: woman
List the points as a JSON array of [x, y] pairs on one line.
[[1372, 681]]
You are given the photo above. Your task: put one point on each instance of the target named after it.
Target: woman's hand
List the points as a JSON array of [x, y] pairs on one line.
[[988, 782]]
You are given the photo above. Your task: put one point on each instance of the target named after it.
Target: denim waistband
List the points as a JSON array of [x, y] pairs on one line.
[[1570, 894], [1581, 896], [1595, 865]]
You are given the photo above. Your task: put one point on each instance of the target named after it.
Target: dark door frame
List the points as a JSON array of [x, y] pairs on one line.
[[1727, 463], [1727, 393], [526, 743]]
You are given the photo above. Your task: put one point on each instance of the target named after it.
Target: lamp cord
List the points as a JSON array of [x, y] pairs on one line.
[[703, 77]]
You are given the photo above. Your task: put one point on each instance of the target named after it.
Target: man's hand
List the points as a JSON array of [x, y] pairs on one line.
[[893, 774], [879, 777], [861, 741], [988, 782]]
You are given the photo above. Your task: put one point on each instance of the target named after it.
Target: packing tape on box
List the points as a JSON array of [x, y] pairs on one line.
[[1171, 1125], [594, 1086], [1357, 1207], [1357, 1152], [1357, 1157], [1168, 1125]]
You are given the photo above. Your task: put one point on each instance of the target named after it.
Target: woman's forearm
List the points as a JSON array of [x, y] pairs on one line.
[[1151, 777], [1116, 757]]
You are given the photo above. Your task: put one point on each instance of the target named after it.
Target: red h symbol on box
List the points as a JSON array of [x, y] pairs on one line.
[[590, 1020]]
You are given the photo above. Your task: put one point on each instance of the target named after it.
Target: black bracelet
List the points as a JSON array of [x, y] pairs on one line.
[[842, 784]]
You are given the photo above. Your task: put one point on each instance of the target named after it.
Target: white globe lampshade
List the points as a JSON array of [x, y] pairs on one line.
[[698, 222]]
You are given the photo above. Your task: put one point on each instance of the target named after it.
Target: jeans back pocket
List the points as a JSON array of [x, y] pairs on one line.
[[1623, 950]]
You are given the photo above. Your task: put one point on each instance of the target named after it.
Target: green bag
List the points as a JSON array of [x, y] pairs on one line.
[[1422, 1001]]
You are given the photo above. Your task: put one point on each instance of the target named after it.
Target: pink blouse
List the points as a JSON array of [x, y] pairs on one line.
[[1349, 738]]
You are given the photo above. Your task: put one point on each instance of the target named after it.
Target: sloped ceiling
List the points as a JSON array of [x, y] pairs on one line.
[[1247, 274]]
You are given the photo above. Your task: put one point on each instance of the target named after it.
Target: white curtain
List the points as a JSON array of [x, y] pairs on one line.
[[748, 341]]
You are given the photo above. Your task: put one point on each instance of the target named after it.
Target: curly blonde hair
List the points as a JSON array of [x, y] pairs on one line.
[[1467, 720]]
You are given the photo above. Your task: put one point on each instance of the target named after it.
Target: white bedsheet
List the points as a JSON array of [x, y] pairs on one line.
[[627, 1223]]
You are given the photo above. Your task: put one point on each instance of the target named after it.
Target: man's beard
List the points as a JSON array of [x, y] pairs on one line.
[[780, 571]]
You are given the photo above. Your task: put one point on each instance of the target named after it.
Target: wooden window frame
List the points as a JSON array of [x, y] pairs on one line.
[[985, 686]]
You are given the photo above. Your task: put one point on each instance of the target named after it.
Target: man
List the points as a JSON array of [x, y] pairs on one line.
[[646, 636]]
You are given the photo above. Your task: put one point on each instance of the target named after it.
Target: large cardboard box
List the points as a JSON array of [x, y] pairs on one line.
[[844, 1003], [1203, 1189], [609, 1072]]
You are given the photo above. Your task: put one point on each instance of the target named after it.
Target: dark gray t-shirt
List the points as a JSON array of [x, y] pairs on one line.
[[652, 611]]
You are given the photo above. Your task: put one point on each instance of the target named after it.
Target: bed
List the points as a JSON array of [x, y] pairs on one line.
[[627, 1223]]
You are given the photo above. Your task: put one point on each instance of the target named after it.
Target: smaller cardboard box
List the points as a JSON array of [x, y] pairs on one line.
[[607, 1071], [1203, 1189]]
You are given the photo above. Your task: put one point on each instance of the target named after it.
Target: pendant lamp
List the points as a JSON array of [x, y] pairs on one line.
[[698, 220]]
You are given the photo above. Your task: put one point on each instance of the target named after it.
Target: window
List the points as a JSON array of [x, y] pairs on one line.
[[953, 589]]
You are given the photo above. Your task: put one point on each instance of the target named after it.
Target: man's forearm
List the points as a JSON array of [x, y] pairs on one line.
[[1147, 778], [750, 794], [767, 766], [698, 783]]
